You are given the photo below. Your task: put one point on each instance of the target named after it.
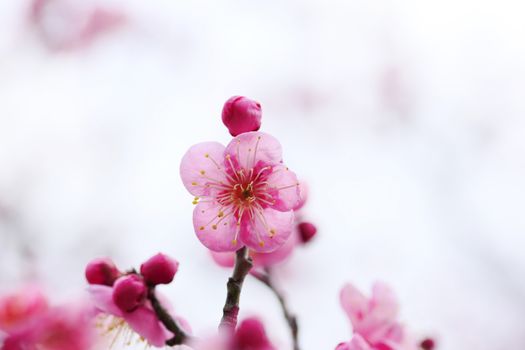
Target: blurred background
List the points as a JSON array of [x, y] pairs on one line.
[[405, 118]]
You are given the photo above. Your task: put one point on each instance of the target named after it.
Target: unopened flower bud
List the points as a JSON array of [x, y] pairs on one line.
[[251, 335], [102, 271], [427, 344], [159, 269], [240, 115], [129, 292], [307, 231]]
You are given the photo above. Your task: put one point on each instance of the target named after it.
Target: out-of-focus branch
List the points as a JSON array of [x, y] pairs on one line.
[[290, 318]]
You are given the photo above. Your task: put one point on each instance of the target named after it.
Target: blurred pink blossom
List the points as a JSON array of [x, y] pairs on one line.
[[374, 320], [18, 308], [67, 24], [29, 323]]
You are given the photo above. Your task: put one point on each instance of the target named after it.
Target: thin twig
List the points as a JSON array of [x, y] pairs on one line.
[[179, 335], [290, 318], [243, 264]]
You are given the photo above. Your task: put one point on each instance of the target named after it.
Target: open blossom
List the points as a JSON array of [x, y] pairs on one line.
[[123, 308], [263, 260], [374, 320], [244, 194]]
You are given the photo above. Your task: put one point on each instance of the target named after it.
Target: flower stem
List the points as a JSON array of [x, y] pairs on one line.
[[243, 264], [179, 336], [290, 318]]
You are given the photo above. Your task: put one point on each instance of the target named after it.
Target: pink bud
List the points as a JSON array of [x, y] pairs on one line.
[[240, 115], [307, 231], [129, 292], [251, 335], [159, 269], [102, 271], [427, 344]]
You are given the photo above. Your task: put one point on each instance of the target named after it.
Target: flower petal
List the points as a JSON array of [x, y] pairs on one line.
[[201, 166], [384, 302], [358, 343], [215, 227], [144, 321], [224, 259], [268, 230], [277, 256], [284, 188], [247, 149], [354, 303], [102, 298]]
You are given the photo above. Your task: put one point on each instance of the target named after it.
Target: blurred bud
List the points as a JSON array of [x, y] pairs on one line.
[[251, 335], [427, 344], [129, 292], [240, 115], [307, 231], [102, 271], [159, 269]]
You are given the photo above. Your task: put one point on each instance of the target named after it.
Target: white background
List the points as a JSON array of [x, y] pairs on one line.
[[405, 118]]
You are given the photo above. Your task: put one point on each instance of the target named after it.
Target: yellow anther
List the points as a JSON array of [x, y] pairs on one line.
[[206, 155], [272, 231], [202, 172], [234, 242], [214, 227], [194, 183], [261, 243], [201, 228], [220, 214], [195, 202]]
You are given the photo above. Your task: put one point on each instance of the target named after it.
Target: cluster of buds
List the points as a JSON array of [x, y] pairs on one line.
[[130, 300], [130, 288]]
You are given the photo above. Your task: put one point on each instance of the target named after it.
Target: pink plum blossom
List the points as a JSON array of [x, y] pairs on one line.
[[241, 114], [374, 320], [142, 319], [263, 260], [244, 194]]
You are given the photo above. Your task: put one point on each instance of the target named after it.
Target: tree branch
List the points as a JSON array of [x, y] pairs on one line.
[[290, 318], [243, 264], [179, 335]]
